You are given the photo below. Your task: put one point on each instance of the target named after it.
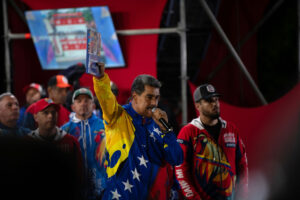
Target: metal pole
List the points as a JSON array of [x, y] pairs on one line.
[[246, 38], [147, 31], [6, 47], [15, 36], [298, 13], [18, 10], [232, 50], [183, 58], [119, 32]]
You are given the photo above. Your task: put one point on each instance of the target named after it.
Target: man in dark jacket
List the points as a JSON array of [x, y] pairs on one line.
[[9, 115]]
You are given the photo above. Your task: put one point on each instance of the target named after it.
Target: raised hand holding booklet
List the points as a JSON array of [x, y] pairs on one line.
[[93, 52]]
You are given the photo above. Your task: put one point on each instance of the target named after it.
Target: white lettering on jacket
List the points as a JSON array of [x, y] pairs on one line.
[[229, 138], [186, 188], [179, 173]]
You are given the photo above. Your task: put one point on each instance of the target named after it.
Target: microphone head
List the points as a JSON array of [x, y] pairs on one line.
[[153, 109]]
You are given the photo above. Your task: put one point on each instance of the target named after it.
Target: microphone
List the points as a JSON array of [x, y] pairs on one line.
[[163, 122]]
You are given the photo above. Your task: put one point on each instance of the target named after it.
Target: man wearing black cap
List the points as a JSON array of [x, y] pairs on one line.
[[215, 163]]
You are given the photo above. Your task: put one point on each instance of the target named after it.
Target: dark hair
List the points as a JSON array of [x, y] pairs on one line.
[[52, 81], [140, 81]]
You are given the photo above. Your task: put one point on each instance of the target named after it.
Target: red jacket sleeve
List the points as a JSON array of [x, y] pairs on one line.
[[183, 171], [242, 170]]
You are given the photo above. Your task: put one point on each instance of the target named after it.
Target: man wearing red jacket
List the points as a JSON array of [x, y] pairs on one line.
[[215, 163]]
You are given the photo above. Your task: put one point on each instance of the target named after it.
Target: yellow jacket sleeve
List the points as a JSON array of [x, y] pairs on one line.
[[119, 129], [109, 105]]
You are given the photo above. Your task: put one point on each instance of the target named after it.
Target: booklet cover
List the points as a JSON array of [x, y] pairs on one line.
[[93, 52]]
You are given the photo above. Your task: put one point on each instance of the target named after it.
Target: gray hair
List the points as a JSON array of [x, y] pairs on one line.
[[140, 81], [5, 95]]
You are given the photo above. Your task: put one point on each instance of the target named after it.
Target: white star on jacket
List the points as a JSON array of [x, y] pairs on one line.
[[115, 194], [152, 135], [156, 130], [135, 174], [143, 161], [127, 185]]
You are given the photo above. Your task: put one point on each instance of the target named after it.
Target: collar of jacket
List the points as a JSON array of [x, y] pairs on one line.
[[76, 120], [135, 116], [197, 122], [2, 126], [58, 136]]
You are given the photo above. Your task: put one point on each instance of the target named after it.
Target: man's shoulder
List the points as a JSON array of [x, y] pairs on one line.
[[68, 125], [188, 130], [69, 136], [62, 108], [24, 130], [95, 118], [189, 126], [66, 135], [23, 109], [96, 122], [17, 131], [228, 124]]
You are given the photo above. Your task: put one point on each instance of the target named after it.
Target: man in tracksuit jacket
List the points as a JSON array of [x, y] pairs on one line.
[[215, 163], [89, 131], [137, 143]]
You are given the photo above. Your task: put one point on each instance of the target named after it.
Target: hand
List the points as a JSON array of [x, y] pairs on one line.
[[157, 114], [101, 66]]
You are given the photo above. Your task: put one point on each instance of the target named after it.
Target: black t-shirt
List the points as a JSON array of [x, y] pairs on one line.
[[214, 130]]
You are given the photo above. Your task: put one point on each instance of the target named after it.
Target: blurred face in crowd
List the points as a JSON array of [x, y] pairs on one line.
[[83, 106], [147, 100], [58, 95], [209, 108], [9, 111], [46, 119], [32, 96]]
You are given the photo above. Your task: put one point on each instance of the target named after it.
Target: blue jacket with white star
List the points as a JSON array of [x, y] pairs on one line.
[[135, 147]]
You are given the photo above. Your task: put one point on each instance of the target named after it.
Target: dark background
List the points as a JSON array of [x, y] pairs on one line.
[[277, 51]]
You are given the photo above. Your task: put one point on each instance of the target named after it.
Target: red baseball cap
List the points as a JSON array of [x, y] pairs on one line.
[[36, 86], [42, 104], [59, 81]]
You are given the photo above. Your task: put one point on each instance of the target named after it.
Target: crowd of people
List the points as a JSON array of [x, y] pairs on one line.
[[128, 151]]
